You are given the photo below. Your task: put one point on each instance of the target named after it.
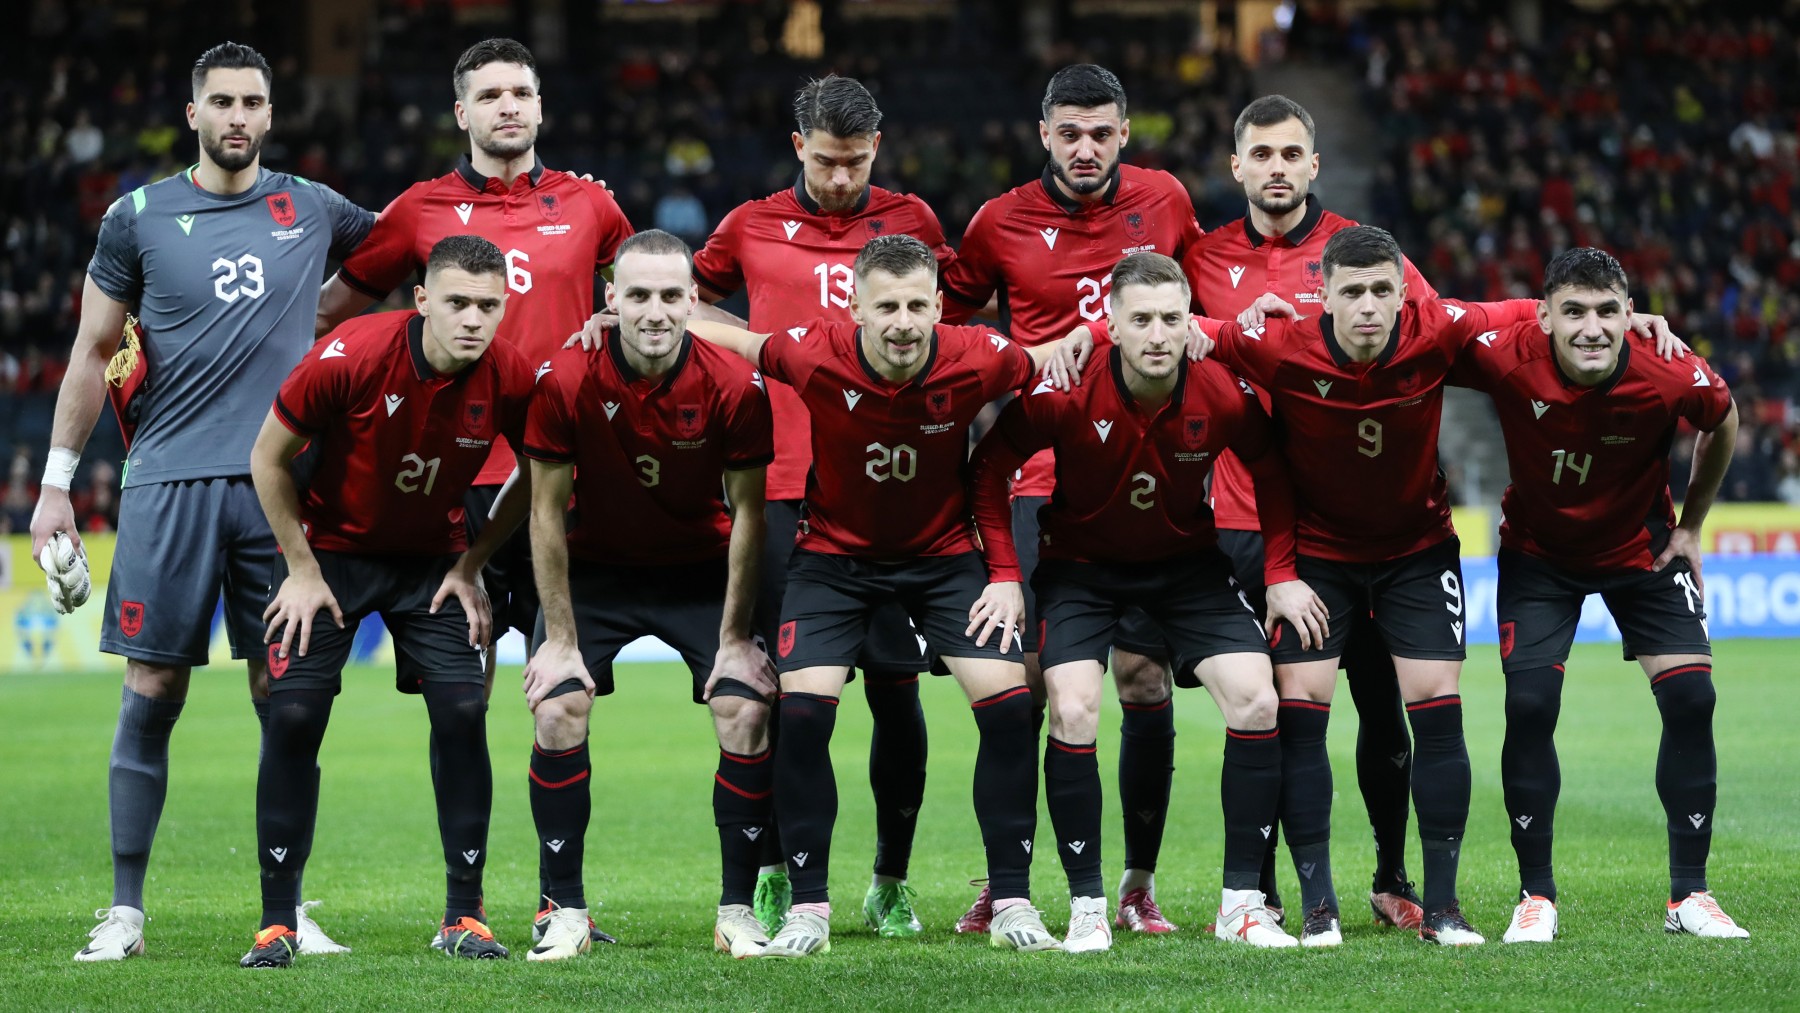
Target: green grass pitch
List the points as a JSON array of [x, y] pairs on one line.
[[652, 862]]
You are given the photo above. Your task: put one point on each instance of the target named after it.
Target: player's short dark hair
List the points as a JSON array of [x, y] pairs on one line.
[[1267, 112], [466, 253], [897, 254], [1148, 269], [655, 242], [231, 56], [1584, 267], [1359, 246], [840, 106], [490, 51], [1084, 86]]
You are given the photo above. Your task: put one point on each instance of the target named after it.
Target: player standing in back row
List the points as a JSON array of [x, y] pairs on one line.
[[1047, 250], [222, 264]]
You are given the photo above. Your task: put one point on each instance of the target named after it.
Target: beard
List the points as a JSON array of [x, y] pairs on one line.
[[1271, 206], [504, 149], [1084, 186], [230, 159]]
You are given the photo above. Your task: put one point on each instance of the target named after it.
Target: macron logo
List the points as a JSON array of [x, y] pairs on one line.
[[756, 378], [997, 341], [612, 408], [1050, 236], [1237, 275], [471, 856], [1078, 846], [790, 228], [851, 397], [463, 211], [1456, 312], [1324, 387], [1044, 387], [1265, 831], [796, 333], [393, 402], [800, 859], [554, 846], [1487, 338], [1524, 822], [753, 832], [335, 350], [279, 853], [541, 370], [1697, 819], [1104, 428], [1700, 379], [1538, 408], [1026, 845]]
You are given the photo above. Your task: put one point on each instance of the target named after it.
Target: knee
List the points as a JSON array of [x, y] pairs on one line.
[[160, 682], [742, 725], [1685, 692], [1257, 712], [1532, 706], [1140, 679], [561, 722], [1074, 716]]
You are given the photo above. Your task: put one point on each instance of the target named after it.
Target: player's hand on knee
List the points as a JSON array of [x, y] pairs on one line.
[[739, 658], [553, 665], [1654, 327], [466, 587], [594, 331], [1000, 607], [1199, 345], [297, 603], [1296, 602], [1266, 305]]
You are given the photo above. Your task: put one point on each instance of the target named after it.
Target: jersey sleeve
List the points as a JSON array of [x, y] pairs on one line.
[[1250, 353], [1704, 405], [975, 274], [550, 418], [350, 224], [792, 358], [387, 255], [1458, 324], [716, 265], [1003, 363], [1417, 287], [316, 392], [516, 385], [115, 267], [931, 232], [1015, 437], [614, 227], [749, 428]]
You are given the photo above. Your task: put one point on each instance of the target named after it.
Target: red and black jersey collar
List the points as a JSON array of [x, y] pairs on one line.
[[476, 181], [615, 349], [812, 207], [869, 370], [1329, 333], [1605, 386], [1070, 205], [1296, 235], [1116, 358], [415, 344]]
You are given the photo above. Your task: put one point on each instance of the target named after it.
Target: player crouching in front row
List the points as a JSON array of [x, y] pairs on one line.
[[403, 409]]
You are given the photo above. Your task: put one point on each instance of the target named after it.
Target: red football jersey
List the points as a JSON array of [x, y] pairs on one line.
[[795, 260], [1590, 465], [649, 454], [556, 231], [1130, 484], [889, 459], [398, 443], [1361, 439], [1051, 259], [1234, 266]]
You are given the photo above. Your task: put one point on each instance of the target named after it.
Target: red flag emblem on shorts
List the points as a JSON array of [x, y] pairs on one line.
[[281, 208], [689, 421], [278, 665], [475, 418], [937, 404], [131, 617], [784, 642], [550, 206], [1193, 431], [1506, 640]]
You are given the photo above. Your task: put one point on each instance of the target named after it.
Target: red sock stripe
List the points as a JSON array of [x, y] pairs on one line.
[[753, 795], [554, 785], [1233, 733], [1305, 705], [739, 758], [832, 700], [541, 751], [1064, 747], [1453, 700], [1159, 705], [1001, 697], [1678, 670]]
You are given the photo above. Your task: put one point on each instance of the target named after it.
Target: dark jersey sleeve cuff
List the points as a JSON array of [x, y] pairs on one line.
[[547, 456], [747, 463], [292, 421], [360, 285], [962, 297], [724, 291]]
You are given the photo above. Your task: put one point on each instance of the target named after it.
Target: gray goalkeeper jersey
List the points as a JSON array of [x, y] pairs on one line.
[[227, 289]]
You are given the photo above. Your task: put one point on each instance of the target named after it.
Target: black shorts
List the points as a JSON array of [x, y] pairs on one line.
[[1134, 632], [1539, 603], [1192, 603], [679, 604], [831, 600], [1246, 551], [511, 584], [892, 644], [1416, 601], [427, 647]]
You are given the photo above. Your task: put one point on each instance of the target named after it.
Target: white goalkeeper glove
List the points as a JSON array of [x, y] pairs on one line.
[[66, 572]]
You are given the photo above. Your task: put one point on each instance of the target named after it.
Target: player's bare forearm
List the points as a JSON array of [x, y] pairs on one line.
[[1712, 456], [270, 458], [737, 340], [83, 389], [551, 485], [745, 489], [511, 509], [710, 312], [338, 302]]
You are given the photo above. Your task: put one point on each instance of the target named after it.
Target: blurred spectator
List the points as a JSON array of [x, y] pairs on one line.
[[20, 496], [97, 503]]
